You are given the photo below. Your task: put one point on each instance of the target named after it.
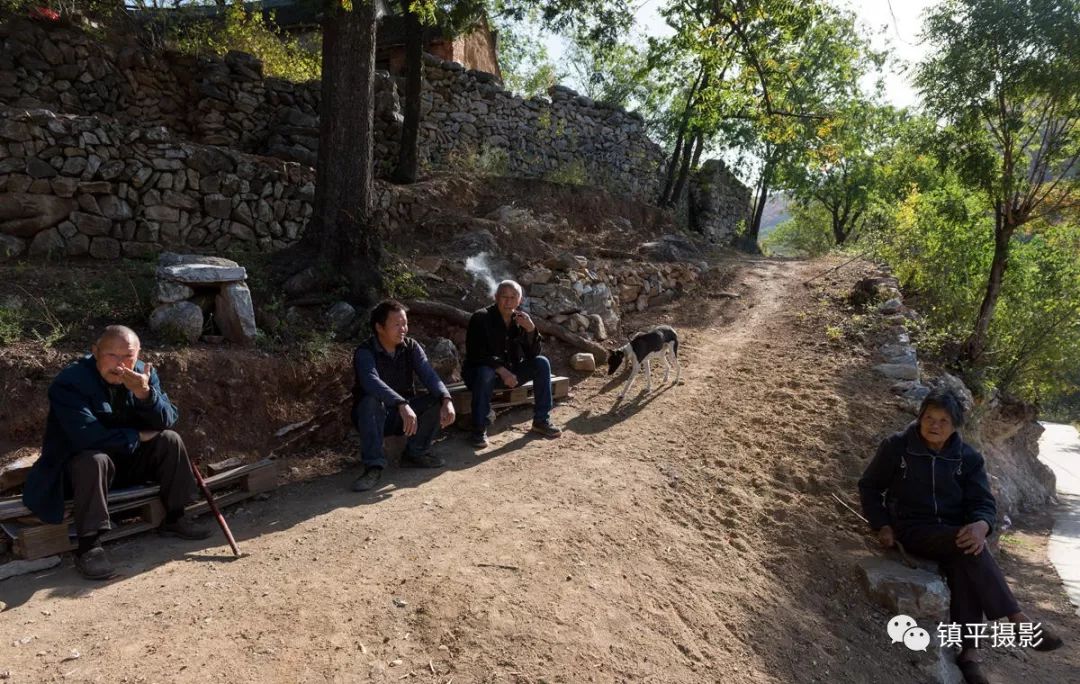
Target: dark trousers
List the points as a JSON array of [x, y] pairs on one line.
[[482, 381], [375, 420], [976, 583], [163, 460]]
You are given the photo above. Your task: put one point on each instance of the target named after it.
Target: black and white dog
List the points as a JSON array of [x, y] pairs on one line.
[[642, 347]]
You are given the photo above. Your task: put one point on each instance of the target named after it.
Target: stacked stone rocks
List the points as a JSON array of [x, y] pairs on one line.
[[589, 297], [73, 185], [228, 101], [192, 289], [719, 203]]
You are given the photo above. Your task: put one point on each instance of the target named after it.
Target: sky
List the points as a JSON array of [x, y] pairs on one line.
[[892, 24]]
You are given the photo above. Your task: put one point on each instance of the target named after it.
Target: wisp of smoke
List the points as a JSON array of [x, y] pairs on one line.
[[481, 271]]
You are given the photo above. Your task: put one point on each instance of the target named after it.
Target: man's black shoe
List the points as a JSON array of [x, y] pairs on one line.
[[94, 564], [370, 478], [425, 460], [478, 440], [185, 528], [546, 429]]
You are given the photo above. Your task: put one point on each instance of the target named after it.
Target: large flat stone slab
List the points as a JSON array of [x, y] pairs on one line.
[[202, 274]]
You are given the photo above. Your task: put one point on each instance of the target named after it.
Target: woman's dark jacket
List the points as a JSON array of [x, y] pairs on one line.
[[907, 484]]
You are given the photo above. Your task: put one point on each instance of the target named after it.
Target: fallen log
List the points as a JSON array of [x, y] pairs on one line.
[[461, 318]]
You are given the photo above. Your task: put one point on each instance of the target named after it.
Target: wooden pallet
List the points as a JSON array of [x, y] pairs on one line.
[[133, 511], [505, 398]]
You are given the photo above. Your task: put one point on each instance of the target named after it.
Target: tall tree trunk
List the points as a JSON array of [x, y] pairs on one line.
[[975, 344], [689, 159], [409, 152], [340, 231], [750, 239], [676, 156]]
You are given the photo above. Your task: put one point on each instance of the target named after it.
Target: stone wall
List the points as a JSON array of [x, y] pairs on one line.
[[719, 204], [75, 185], [468, 117]]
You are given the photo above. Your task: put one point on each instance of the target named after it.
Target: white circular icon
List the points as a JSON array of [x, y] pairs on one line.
[[917, 639], [898, 625]]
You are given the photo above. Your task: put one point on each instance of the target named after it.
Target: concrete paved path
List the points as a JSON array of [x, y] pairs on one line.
[[1059, 448]]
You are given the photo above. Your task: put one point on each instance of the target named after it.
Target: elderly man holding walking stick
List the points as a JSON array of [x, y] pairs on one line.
[[109, 425]]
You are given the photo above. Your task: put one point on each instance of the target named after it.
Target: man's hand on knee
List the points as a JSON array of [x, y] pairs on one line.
[[508, 378], [408, 419]]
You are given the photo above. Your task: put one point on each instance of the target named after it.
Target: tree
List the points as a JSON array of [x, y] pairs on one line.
[[340, 232], [844, 175], [771, 75], [1005, 76]]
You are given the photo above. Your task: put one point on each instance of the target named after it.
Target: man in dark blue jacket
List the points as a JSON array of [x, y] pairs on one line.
[[385, 401], [109, 425]]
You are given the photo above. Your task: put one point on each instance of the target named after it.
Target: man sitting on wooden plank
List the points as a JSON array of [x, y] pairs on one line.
[[385, 400], [109, 425], [502, 346]]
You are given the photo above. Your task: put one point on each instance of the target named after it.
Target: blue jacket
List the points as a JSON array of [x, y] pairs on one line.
[[81, 418], [390, 376], [907, 484]]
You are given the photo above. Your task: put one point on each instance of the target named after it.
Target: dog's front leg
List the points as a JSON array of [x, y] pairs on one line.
[[629, 381], [648, 374], [667, 363]]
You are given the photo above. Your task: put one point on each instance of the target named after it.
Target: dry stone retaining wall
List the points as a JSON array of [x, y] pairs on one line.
[[468, 116]]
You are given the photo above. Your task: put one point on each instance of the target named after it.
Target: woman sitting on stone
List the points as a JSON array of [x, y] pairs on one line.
[[928, 490]]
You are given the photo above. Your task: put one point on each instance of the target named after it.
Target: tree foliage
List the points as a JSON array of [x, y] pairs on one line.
[[1005, 76]]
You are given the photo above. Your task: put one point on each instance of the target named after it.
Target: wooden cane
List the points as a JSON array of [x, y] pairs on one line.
[[213, 507]]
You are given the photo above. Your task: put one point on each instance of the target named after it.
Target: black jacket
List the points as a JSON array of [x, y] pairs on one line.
[[490, 342], [907, 484]]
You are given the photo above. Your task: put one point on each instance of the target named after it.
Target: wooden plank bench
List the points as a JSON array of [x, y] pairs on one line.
[[505, 397], [133, 510]]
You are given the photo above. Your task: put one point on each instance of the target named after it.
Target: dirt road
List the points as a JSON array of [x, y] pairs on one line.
[[689, 536]]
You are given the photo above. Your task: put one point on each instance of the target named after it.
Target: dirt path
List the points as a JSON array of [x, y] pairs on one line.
[[687, 537]]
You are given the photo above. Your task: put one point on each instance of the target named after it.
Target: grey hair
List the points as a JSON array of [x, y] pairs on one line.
[[118, 332], [511, 284]]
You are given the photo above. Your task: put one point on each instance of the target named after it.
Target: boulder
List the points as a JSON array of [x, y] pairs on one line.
[[597, 327], [899, 371], [178, 320], [890, 306], [25, 215], [445, 359], [46, 243], [11, 247], [168, 292], [235, 313], [339, 315], [902, 590], [584, 362], [566, 261]]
